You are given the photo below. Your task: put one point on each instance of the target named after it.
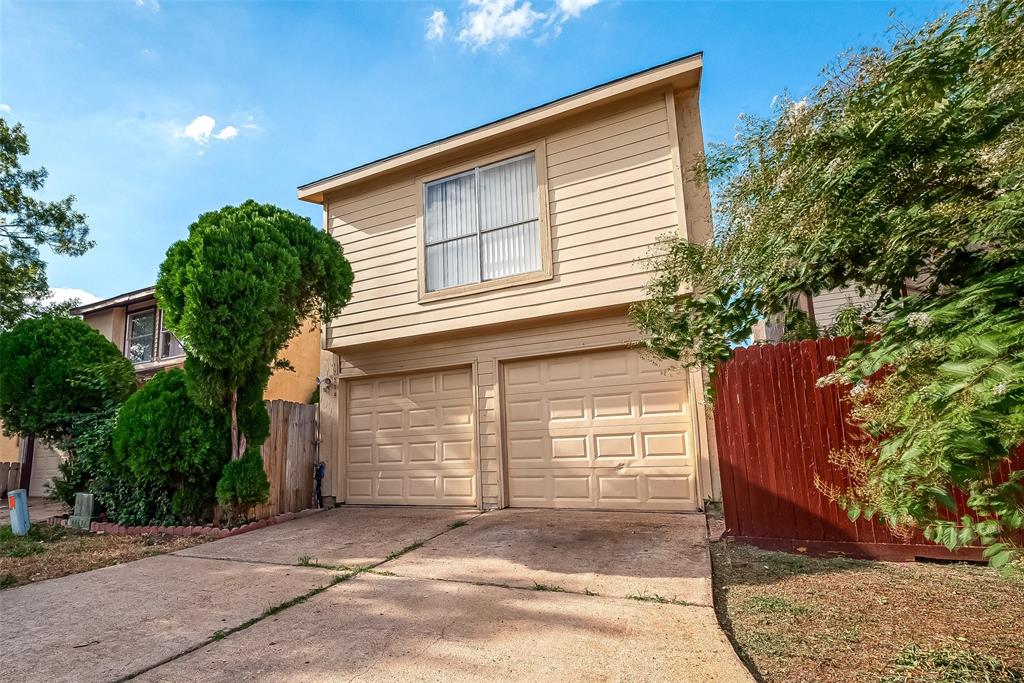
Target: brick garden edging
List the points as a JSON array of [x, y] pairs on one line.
[[209, 530]]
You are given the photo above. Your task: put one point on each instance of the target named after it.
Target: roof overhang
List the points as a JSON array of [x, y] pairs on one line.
[[114, 301], [680, 73]]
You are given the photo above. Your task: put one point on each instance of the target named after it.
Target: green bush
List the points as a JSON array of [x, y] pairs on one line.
[[91, 439], [167, 453], [54, 371], [243, 483]]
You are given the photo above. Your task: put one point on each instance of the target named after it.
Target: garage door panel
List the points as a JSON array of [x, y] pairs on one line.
[[603, 430], [663, 446], [412, 487], [410, 439], [456, 452], [605, 488], [556, 409], [367, 420]]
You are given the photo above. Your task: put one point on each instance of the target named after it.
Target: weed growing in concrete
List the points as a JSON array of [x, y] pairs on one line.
[[654, 597], [547, 588], [407, 549]]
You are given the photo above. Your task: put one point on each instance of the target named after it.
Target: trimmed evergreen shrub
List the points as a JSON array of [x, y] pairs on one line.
[[243, 483], [168, 447]]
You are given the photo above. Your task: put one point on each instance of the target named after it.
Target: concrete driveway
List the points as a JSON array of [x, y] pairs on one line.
[[449, 595]]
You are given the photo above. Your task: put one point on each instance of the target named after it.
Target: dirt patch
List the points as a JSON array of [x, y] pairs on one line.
[[48, 552], [796, 618]]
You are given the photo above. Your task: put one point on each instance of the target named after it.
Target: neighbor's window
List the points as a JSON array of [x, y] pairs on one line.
[[482, 224], [170, 347], [141, 336], [144, 345]]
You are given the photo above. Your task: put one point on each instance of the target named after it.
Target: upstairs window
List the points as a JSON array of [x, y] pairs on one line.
[[141, 336], [482, 224], [144, 344], [170, 347]]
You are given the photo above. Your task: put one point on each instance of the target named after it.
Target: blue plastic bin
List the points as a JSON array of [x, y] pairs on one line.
[[18, 501]]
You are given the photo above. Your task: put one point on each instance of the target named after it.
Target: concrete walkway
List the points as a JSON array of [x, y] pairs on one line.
[[520, 595]]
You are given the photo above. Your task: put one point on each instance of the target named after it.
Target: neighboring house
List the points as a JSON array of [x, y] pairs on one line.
[[486, 357], [135, 324], [825, 306], [9, 448]]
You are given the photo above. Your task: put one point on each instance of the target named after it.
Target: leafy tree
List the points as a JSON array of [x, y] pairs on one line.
[[55, 371], [905, 164], [235, 291], [164, 441], [26, 224]]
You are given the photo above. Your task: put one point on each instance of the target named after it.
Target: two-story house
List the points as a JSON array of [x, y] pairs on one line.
[[486, 357]]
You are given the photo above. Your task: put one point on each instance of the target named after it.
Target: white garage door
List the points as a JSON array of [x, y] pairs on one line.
[[45, 462], [410, 440], [605, 430]]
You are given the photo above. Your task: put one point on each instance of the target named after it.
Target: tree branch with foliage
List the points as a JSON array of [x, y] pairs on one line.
[[906, 165], [26, 225]]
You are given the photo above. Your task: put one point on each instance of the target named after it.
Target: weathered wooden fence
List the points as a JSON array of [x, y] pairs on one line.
[[775, 430], [289, 454], [10, 476]]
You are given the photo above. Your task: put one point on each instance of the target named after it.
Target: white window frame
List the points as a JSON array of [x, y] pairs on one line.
[[158, 329], [160, 341], [538, 149]]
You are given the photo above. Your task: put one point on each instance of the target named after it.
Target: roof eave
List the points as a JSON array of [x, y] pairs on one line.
[[119, 300]]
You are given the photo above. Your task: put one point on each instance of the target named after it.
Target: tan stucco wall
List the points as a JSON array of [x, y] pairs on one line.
[[8, 448], [303, 352], [109, 323]]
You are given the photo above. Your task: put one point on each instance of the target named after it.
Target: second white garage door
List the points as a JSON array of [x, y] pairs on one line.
[[410, 439], [608, 430]]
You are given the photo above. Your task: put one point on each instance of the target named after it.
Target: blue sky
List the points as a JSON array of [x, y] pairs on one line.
[[153, 111]]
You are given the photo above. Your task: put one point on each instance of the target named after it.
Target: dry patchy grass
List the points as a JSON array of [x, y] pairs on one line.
[[48, 552], [833, 620]]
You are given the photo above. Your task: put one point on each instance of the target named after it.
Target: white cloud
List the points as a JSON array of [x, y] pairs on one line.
[[226, 133], [494, 23], [153, 5], [574, 8], [61, 294], [201, 130], [436, 25], [497, 21], [5, 108]]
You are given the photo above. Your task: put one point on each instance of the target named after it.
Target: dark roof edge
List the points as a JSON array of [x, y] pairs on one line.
[[126, 298]]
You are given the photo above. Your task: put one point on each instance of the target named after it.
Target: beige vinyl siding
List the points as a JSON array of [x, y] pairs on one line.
[[485, 353], [611, 194], [828, 304]]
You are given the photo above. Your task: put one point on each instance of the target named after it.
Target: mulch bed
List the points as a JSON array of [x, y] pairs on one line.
[[797, 618], [48, 552]]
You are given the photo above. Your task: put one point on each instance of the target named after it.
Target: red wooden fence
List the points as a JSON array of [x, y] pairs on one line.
[[775, 429]]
